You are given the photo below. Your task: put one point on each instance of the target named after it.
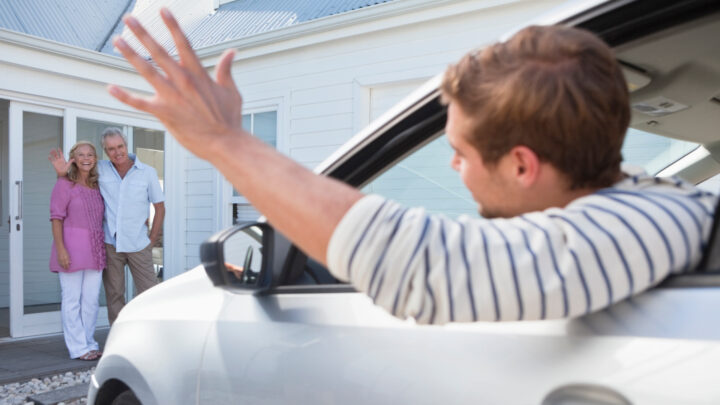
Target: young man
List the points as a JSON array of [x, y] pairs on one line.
[[537, 124], [128, 187]]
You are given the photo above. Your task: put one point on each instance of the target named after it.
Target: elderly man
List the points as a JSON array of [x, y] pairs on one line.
[[128, 187], [537, 124]]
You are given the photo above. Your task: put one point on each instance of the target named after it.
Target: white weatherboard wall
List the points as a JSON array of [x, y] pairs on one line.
[[328, 82]]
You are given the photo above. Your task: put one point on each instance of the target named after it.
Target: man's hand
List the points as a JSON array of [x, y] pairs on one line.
[[237, 271], [199, 112], [59, 163], [63, 258]]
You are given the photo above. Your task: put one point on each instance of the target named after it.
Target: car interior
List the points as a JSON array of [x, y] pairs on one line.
[[671, 62], [674, 77]]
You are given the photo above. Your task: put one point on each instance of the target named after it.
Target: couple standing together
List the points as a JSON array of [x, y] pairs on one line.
[[99, 212]]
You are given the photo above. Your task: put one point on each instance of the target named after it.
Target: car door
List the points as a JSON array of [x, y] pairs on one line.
[[315, 341], [312, 339]]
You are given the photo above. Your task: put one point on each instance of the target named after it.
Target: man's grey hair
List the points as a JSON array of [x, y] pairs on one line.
[[112, 131]]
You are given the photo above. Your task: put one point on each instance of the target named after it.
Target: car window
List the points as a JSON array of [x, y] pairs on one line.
[[425, 179], [653, 152]]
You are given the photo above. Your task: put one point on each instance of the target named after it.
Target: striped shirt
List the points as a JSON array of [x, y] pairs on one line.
[[558, 263]]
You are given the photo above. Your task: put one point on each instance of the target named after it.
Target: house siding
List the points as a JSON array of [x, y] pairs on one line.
[[200, 202]]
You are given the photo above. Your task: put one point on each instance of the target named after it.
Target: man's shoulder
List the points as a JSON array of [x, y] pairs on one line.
[[103, 165], [647, 184], [642, 190]]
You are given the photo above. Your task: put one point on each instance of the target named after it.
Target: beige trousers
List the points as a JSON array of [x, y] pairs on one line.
[[141, 268]]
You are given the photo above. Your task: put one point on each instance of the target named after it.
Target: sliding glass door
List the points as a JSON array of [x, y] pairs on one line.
[[34, 290]]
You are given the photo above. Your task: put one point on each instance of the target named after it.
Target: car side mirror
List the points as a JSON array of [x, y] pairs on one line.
[[239, 257]]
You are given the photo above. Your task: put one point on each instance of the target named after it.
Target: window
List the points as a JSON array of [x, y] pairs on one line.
[[264, 126], [149, 147], [91, 131], [653, 152], [426, 179]]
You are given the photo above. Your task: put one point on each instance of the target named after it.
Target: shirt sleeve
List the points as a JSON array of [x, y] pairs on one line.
[[155, 192], [59, 199], [558, 263]]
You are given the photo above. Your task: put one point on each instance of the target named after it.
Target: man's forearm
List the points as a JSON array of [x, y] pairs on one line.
[[303, 206]]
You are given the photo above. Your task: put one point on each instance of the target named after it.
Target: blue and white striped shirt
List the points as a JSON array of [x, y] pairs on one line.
[[558, 263]]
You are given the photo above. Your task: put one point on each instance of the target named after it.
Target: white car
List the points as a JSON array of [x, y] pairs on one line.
[[262, 323]]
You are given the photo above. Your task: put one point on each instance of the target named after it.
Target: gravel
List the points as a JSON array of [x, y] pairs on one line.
[[17, 393]]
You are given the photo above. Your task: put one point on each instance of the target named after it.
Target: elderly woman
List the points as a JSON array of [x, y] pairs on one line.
[[78, 252]]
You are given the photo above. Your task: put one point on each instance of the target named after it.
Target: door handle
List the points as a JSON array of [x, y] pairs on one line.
[[19, 211], [589, 394]]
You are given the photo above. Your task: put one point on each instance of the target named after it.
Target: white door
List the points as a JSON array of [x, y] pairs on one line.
[[34, 290]]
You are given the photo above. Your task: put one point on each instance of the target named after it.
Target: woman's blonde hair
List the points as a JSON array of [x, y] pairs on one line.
[[92, 180]]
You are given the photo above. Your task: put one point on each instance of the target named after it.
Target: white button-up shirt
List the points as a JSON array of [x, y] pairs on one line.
[[127, 203]]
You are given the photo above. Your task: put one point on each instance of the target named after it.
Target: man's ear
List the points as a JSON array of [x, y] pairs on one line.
[[526, 165]]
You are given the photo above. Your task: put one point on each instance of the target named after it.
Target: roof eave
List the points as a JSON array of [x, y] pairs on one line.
[[58, 48]]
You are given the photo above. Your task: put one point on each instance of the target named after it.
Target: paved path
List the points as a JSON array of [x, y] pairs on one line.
[[22, 360]]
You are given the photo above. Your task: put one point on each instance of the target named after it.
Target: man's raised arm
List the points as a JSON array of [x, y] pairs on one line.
[[205, 116]]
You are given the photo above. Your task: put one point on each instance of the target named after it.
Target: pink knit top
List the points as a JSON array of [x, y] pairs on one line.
[[81, 210]]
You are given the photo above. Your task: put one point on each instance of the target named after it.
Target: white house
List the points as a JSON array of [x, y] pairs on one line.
[[312, 73]]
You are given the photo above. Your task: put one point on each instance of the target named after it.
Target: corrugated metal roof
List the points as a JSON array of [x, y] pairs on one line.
[[237, 19], [83, 23], [248, 17]]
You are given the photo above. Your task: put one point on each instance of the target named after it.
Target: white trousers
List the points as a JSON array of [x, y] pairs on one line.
[[79, 309]]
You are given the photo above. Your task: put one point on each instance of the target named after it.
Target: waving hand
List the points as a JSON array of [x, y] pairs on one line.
[[205, 116], [196, 109]]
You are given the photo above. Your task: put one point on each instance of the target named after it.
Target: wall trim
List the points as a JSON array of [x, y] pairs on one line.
[[59, 48]]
